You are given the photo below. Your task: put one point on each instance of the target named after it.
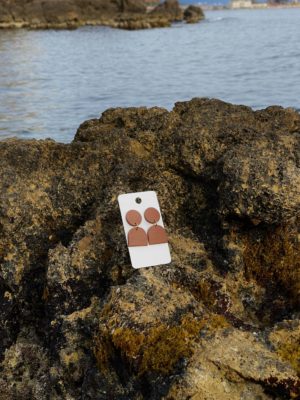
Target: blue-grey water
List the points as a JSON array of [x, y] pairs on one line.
[[51, 81]]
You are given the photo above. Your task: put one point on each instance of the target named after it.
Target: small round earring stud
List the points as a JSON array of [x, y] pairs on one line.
[[152, 215], [133, 218]]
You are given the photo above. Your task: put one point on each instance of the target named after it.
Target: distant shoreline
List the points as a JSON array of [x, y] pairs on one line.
[[258, 6]]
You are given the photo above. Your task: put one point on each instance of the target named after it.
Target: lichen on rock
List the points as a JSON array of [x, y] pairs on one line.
[[220, 322]]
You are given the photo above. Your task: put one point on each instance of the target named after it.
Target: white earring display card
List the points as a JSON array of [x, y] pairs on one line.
[[146, 236]]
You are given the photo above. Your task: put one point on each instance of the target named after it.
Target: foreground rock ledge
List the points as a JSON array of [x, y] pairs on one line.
[[220, 322], [71, 14]]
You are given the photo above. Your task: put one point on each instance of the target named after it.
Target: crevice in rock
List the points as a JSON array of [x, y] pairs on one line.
[[281, 389], [34, 309], [205, 222]]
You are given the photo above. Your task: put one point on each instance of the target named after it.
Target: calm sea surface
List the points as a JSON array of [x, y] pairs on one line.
[[51, 81]]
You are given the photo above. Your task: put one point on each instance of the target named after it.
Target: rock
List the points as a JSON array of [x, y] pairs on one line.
[[28, 360], [66, 13], [69, 14], [132, 6], [219, 366], [169, 9], [193, 14], [285, 337], [134, 22], [220, 322]]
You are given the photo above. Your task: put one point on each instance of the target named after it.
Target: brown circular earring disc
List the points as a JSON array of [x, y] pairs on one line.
[[133, 217], [152, 215]]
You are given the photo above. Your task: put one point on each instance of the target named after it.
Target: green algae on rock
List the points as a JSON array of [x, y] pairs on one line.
[[220, 322]]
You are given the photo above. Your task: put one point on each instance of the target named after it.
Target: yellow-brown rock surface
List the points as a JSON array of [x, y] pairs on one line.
[[70, 14], [220, 322]]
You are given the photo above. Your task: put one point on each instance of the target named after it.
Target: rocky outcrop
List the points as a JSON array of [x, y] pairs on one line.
[[193, 14], [220, 322], [169, 9], [64, 14]]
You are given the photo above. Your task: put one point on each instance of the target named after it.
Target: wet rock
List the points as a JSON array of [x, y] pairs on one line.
[[221, 321], [134, 22], [193, 14]]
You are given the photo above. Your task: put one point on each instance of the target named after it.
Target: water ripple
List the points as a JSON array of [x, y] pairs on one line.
[[51, 81]]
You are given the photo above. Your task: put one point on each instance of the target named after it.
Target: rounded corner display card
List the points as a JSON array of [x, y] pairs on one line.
[[145, 233]]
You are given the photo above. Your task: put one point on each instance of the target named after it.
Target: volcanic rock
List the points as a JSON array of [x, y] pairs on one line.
[[220, 322]]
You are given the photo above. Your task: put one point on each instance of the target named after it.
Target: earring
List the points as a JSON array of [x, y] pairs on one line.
[[136, 236], [156, 234]]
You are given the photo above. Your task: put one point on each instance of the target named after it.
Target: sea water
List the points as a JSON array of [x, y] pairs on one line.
[[51, 81]]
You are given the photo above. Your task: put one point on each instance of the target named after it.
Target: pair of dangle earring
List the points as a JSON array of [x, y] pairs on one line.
[[137, 236]]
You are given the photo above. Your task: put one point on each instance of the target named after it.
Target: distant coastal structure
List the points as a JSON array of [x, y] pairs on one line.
[[241, 4], [234, 4]]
